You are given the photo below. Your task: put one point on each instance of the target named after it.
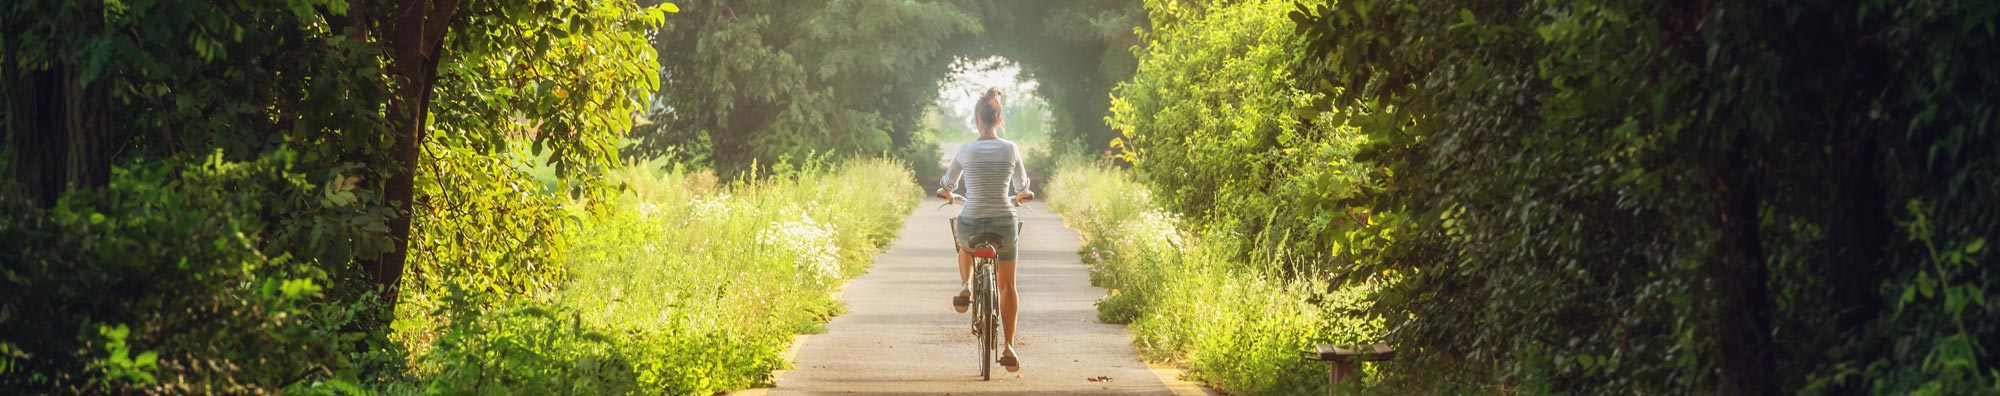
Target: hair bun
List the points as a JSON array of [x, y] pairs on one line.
[[988, 109]]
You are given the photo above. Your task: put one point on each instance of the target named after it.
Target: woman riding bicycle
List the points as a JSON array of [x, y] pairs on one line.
[[990, 167]]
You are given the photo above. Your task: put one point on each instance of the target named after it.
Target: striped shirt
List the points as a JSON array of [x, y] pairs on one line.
[[989, 168]]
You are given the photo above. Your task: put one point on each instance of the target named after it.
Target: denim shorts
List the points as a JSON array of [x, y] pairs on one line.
[[1004, 226]]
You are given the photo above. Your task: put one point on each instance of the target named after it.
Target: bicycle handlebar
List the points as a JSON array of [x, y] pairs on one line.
[[955, 199]]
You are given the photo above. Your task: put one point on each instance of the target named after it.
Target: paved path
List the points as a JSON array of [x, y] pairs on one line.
[[900, 336]]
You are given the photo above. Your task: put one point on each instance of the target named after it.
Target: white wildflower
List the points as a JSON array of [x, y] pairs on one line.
[[716, 209], [1154, 228], [809, 242]]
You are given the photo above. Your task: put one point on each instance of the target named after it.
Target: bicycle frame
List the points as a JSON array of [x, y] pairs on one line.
[[985, 300], [985, 293]]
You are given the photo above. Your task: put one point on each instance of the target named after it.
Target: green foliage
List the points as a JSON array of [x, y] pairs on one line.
[[1236, 327], [758, 81], [925, 156], [1941, 303], [685, 286], [1208, 121], [1075, 50], [1599, 197], [750, 82], [192, 76], [1661, 197], [524, 348], [712, 282], [560, 79], [289, 96], [503, 107], [157, 284]]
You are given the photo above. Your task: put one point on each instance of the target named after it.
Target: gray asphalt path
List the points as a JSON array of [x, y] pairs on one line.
[[900, 336]]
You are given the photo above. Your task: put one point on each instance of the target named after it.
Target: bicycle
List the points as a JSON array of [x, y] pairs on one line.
[[985, 290]]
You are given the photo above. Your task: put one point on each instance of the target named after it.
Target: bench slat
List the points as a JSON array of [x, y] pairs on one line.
[[1354, 353]]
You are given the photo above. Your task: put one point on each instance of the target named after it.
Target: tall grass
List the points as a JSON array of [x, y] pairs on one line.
[[683, 285], [711, 283], [1189, 301]]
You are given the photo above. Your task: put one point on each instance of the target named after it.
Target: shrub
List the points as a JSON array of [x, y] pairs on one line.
[[524, 347], [162, 282], [1236, 325]]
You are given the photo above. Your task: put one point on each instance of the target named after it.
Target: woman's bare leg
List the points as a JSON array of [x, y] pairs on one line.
[[964, 267], [1008, 303]]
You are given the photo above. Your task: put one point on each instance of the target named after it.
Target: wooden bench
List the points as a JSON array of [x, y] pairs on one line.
[[1344, 361]]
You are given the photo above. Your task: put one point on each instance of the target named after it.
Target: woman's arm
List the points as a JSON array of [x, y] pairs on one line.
[[1018, 178], [951, 175]]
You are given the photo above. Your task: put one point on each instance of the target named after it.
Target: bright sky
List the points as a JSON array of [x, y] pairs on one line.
[[974, 76]]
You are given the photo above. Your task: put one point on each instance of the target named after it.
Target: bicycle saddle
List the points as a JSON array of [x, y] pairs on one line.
[[989, 239]]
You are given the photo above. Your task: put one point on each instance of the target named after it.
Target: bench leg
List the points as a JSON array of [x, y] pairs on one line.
[[1342, 373]]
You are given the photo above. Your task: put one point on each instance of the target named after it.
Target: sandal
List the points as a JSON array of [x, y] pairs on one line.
[[962, 302], [1012, 363]]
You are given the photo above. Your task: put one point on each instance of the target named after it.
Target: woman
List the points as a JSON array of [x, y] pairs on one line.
[[990, 166]]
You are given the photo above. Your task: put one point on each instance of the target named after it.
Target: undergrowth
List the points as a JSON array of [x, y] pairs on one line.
[[682, 285], [1233, 324]]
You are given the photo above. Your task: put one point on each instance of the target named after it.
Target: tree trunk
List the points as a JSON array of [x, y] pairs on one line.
[[1739, 311], [35, 145], [87, 119], [415, 39], [1742, 303], [1859, 226], [59, 135]]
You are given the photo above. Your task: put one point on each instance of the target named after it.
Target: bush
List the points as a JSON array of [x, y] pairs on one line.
[[524, 347], [1211, 122], [162, 283], [1235, 325], [923, 154]]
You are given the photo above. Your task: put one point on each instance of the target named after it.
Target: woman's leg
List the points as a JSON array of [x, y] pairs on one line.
[[964, 255], [1008, 303], [964, 267]]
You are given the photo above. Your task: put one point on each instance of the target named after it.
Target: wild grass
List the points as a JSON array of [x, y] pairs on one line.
[[710, 282], [684, 285], [1190, 302]]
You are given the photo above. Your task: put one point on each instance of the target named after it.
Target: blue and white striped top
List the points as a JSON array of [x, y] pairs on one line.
[[989, 168]]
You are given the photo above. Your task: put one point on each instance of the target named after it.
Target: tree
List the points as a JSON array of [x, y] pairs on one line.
[[413, 33], [1638, 196], [543, 62], [760, 81], [755, 82], [93, 85]]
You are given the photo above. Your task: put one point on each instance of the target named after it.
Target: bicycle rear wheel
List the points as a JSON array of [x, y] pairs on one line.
[[982, 322]]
